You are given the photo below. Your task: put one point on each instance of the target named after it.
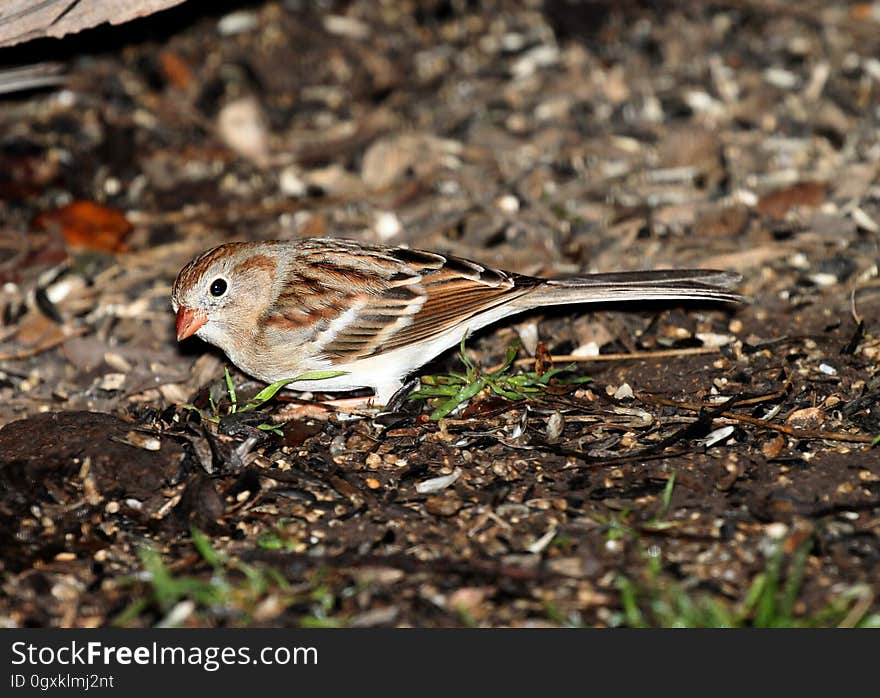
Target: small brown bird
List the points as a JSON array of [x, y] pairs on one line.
[[281, 309]]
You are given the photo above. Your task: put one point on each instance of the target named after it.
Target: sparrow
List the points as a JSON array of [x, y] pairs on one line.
[[281, 309]]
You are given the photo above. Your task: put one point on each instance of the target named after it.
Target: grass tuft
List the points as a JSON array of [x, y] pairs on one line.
[[448, 392], [769, 602], [233, 589], [258, 400]]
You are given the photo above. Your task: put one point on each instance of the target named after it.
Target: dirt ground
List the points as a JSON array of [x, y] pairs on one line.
[[718, 469]]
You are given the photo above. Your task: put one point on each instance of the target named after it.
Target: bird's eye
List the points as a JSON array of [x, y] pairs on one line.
[[218, 287]]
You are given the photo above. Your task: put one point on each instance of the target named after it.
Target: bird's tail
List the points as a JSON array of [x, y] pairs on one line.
[[678, 284]]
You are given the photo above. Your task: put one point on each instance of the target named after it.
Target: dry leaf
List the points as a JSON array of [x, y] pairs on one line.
[[89, 226], [800, 195]]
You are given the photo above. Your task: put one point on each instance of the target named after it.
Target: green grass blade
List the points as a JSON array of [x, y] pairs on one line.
[[160, 579], [766, 609], [509, 358], [667, 496], [270, 391], [794, 579], [463, 395], [464, 359], [427, 393], [203, 546], [578, 380], [230, 390], [318, 375], [512, 395], [630, 604]]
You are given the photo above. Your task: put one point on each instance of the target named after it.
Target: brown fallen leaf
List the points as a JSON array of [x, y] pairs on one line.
[[864, 12], [176, 69], [89, 226], [543, 359], [801, 195]]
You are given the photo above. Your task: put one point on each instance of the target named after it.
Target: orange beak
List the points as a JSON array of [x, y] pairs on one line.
[[189, 322]]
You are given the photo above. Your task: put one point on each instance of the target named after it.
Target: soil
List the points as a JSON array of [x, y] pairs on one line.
[[714, 446]]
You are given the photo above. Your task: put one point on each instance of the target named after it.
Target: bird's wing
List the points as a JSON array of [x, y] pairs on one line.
[[362, 301]]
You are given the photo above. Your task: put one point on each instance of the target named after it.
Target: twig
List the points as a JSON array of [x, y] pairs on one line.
[[852, 307], [790, 431], [575, 358]]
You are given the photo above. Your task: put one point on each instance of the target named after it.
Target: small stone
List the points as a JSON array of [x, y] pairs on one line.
[[838, 266], [773, 447], [529, 336], [807, 418], [117, 362], [624, 392], [586, 350], [333, 179], [442, 506], [823, 280], [864, 221], [468, 599], [242, 127], [534, 59], [555, 425], [291, 184], [148, 442], [614, 546], [781, 78], [237, 23], [112, 381], [567, 567], [508, 203], [349, 27], [713, 340], [777, 530], [387, 225]]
